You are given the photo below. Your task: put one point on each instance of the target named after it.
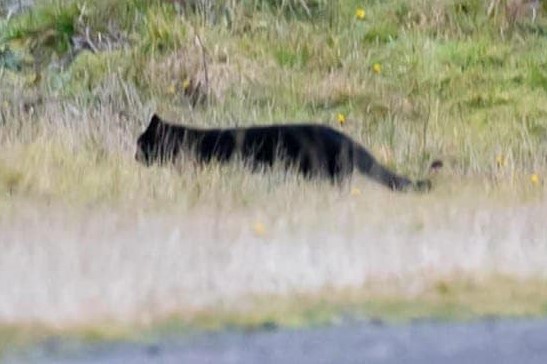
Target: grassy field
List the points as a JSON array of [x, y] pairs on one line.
[[90, 237]]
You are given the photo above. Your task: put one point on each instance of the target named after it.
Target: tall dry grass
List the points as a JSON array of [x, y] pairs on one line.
[[99, 264], [89, 235]]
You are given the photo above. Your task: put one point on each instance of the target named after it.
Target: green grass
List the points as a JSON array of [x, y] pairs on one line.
[[447, 300]]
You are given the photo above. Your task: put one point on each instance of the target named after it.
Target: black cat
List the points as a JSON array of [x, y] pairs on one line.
[[315, 150]]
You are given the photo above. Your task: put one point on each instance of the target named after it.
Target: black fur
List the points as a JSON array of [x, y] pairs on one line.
[[315, 150]]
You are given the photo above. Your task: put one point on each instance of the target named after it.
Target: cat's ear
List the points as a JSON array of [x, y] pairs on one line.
[[154, 122]]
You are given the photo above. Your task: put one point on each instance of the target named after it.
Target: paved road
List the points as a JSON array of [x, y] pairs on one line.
[[489, 341]]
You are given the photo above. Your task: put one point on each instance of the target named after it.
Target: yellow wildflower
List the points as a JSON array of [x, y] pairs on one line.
[[500, 161], [259, 229], [377, 68], [186, 84], [355, 191], [172, 89], [341, 118], [360, 14], [534, 178]]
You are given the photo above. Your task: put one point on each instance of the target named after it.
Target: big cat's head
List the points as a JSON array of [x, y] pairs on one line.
[[148, 143]]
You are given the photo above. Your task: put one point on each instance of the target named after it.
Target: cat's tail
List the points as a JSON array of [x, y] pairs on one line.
[[368, 165]]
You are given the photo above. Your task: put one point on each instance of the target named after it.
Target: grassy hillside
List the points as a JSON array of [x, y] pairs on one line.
[[415, 81], [92, 235]]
